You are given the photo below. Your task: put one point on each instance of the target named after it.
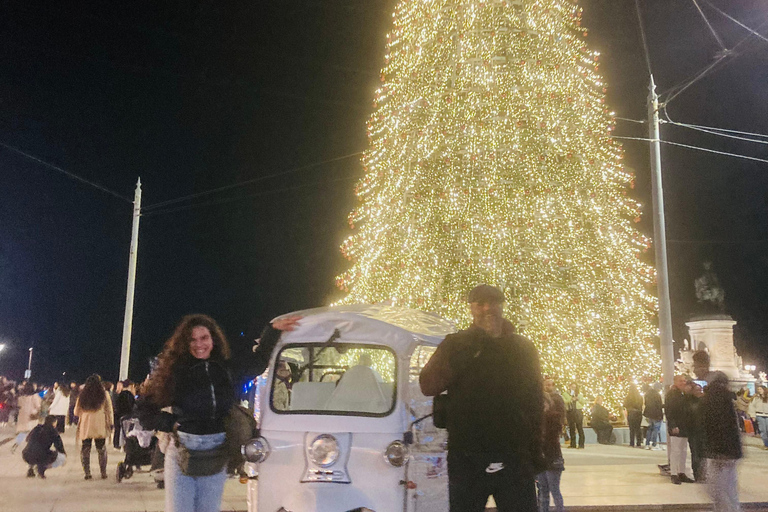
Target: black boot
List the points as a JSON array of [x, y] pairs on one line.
[[684, 478], [85, 459], [30, 472], [41, 470], [103, 461]]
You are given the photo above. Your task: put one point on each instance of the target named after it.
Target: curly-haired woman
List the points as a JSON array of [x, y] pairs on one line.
[[94, 408], [192, 377]]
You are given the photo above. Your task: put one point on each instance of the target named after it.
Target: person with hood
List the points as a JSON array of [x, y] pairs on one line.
[[38, 452], [60, 405], [94, 410], [494, 385], [722, 437]]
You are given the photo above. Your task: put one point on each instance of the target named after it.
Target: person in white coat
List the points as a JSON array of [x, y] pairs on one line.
[[60, 405]]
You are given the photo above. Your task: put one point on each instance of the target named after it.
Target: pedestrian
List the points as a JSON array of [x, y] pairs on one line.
[[759, 410], [74, 392], [654, 414], [601, 422], [38, 451], [574, 407], [494, 420], [192, 378], [94, 410], [722, 439], [29, 413], [678, 421], [60, 405], [123, 407], [743, 402], [548, 481], [693, 394], [633, 405]]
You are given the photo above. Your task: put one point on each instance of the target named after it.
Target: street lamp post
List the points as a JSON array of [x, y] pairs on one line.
[[28, 372]]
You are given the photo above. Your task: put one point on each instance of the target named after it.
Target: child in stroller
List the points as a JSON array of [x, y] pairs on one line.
[[140, 446]]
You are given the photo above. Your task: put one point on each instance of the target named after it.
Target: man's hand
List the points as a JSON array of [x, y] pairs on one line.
[[286, 324]]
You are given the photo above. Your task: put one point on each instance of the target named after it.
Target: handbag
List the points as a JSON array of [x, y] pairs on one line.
[[200, 462]]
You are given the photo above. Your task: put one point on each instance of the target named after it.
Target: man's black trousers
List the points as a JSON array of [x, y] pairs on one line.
[[470, 484]]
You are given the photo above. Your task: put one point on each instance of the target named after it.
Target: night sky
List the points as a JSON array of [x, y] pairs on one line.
[[191, 96]]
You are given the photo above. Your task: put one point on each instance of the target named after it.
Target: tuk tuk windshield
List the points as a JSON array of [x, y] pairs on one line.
[[339, 378]]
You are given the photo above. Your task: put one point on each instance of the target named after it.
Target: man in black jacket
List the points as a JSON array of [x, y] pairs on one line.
[[38, 450], [678, 421], [722, 437], [494, 384]]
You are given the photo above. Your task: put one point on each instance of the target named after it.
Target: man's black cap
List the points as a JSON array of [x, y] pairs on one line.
[[486, 293]]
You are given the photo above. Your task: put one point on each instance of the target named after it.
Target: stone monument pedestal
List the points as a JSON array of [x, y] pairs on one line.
[[715, 334]]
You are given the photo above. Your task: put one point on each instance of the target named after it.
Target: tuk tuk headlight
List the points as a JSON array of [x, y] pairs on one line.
[[396, 453], [256, 450], [324, 450]]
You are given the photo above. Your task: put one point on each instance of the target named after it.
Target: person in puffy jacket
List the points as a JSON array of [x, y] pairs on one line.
[[192, 378], [60, 405]]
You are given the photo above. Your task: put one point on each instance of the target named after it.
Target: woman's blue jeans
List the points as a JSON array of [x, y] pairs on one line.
[[192, 493], [762, 424], [549, 483], [653, 434]]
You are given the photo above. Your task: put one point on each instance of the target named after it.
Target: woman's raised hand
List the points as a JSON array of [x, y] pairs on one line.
[[287, 323]]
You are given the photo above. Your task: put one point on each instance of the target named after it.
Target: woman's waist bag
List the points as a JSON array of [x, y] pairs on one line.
[[201, 462]]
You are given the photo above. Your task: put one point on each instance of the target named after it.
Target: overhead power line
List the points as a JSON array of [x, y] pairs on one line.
[[65, 172], [642, 34], [247, 182], [243, 198], [754, 32], [707, 150], [711, 28], [675, 91]]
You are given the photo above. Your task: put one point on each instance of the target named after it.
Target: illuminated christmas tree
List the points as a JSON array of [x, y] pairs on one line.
[[491, 160]]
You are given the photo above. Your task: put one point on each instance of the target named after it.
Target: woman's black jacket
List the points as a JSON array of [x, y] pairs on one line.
[[203, 395]]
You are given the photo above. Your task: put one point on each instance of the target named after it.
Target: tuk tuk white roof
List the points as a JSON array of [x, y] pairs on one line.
[[393, 326]]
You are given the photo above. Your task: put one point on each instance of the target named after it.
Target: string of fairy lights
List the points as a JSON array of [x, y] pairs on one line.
[[490, 159]]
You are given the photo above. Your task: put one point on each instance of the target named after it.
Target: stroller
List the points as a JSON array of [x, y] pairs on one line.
[[141, 449]]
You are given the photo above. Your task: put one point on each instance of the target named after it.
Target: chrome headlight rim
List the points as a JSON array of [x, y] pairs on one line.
[[397, 454], [333, 454], [256, 450]]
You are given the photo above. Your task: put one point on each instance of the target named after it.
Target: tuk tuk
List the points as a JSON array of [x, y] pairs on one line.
[[343, 423]]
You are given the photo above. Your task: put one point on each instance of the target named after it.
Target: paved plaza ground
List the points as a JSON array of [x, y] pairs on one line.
[[597, 478]]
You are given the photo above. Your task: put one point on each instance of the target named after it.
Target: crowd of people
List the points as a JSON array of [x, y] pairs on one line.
[[42, 413], [187, 400]]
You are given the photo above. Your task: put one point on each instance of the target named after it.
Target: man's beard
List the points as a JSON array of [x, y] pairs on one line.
[[489, 322]]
